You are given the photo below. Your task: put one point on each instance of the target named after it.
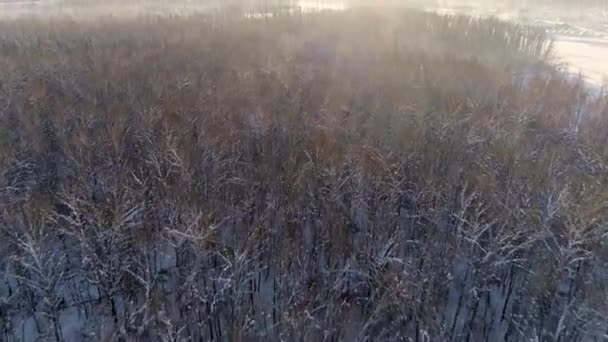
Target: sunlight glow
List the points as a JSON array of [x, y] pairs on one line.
[[322, 5]]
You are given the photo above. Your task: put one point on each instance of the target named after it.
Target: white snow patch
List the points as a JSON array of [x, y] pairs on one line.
[[587, 56]]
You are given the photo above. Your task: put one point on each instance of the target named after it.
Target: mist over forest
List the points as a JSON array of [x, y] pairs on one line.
[[303, 171]]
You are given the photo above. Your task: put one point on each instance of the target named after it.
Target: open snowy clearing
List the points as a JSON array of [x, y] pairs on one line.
[[586, 56]]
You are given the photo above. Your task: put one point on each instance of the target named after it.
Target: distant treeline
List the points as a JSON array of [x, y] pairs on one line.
[[426, 3]]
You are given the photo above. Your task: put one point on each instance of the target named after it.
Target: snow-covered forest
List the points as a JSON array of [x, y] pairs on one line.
[[357, 175]]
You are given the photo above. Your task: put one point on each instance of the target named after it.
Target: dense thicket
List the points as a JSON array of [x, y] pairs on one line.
[[346, 176]]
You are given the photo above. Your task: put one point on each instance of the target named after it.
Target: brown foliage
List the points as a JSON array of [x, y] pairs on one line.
[[322, 176]]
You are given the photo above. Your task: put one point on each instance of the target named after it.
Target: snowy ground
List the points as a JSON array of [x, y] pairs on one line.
[[587, 56]]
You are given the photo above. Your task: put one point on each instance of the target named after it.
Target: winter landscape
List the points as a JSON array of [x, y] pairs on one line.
[[303, 170]]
